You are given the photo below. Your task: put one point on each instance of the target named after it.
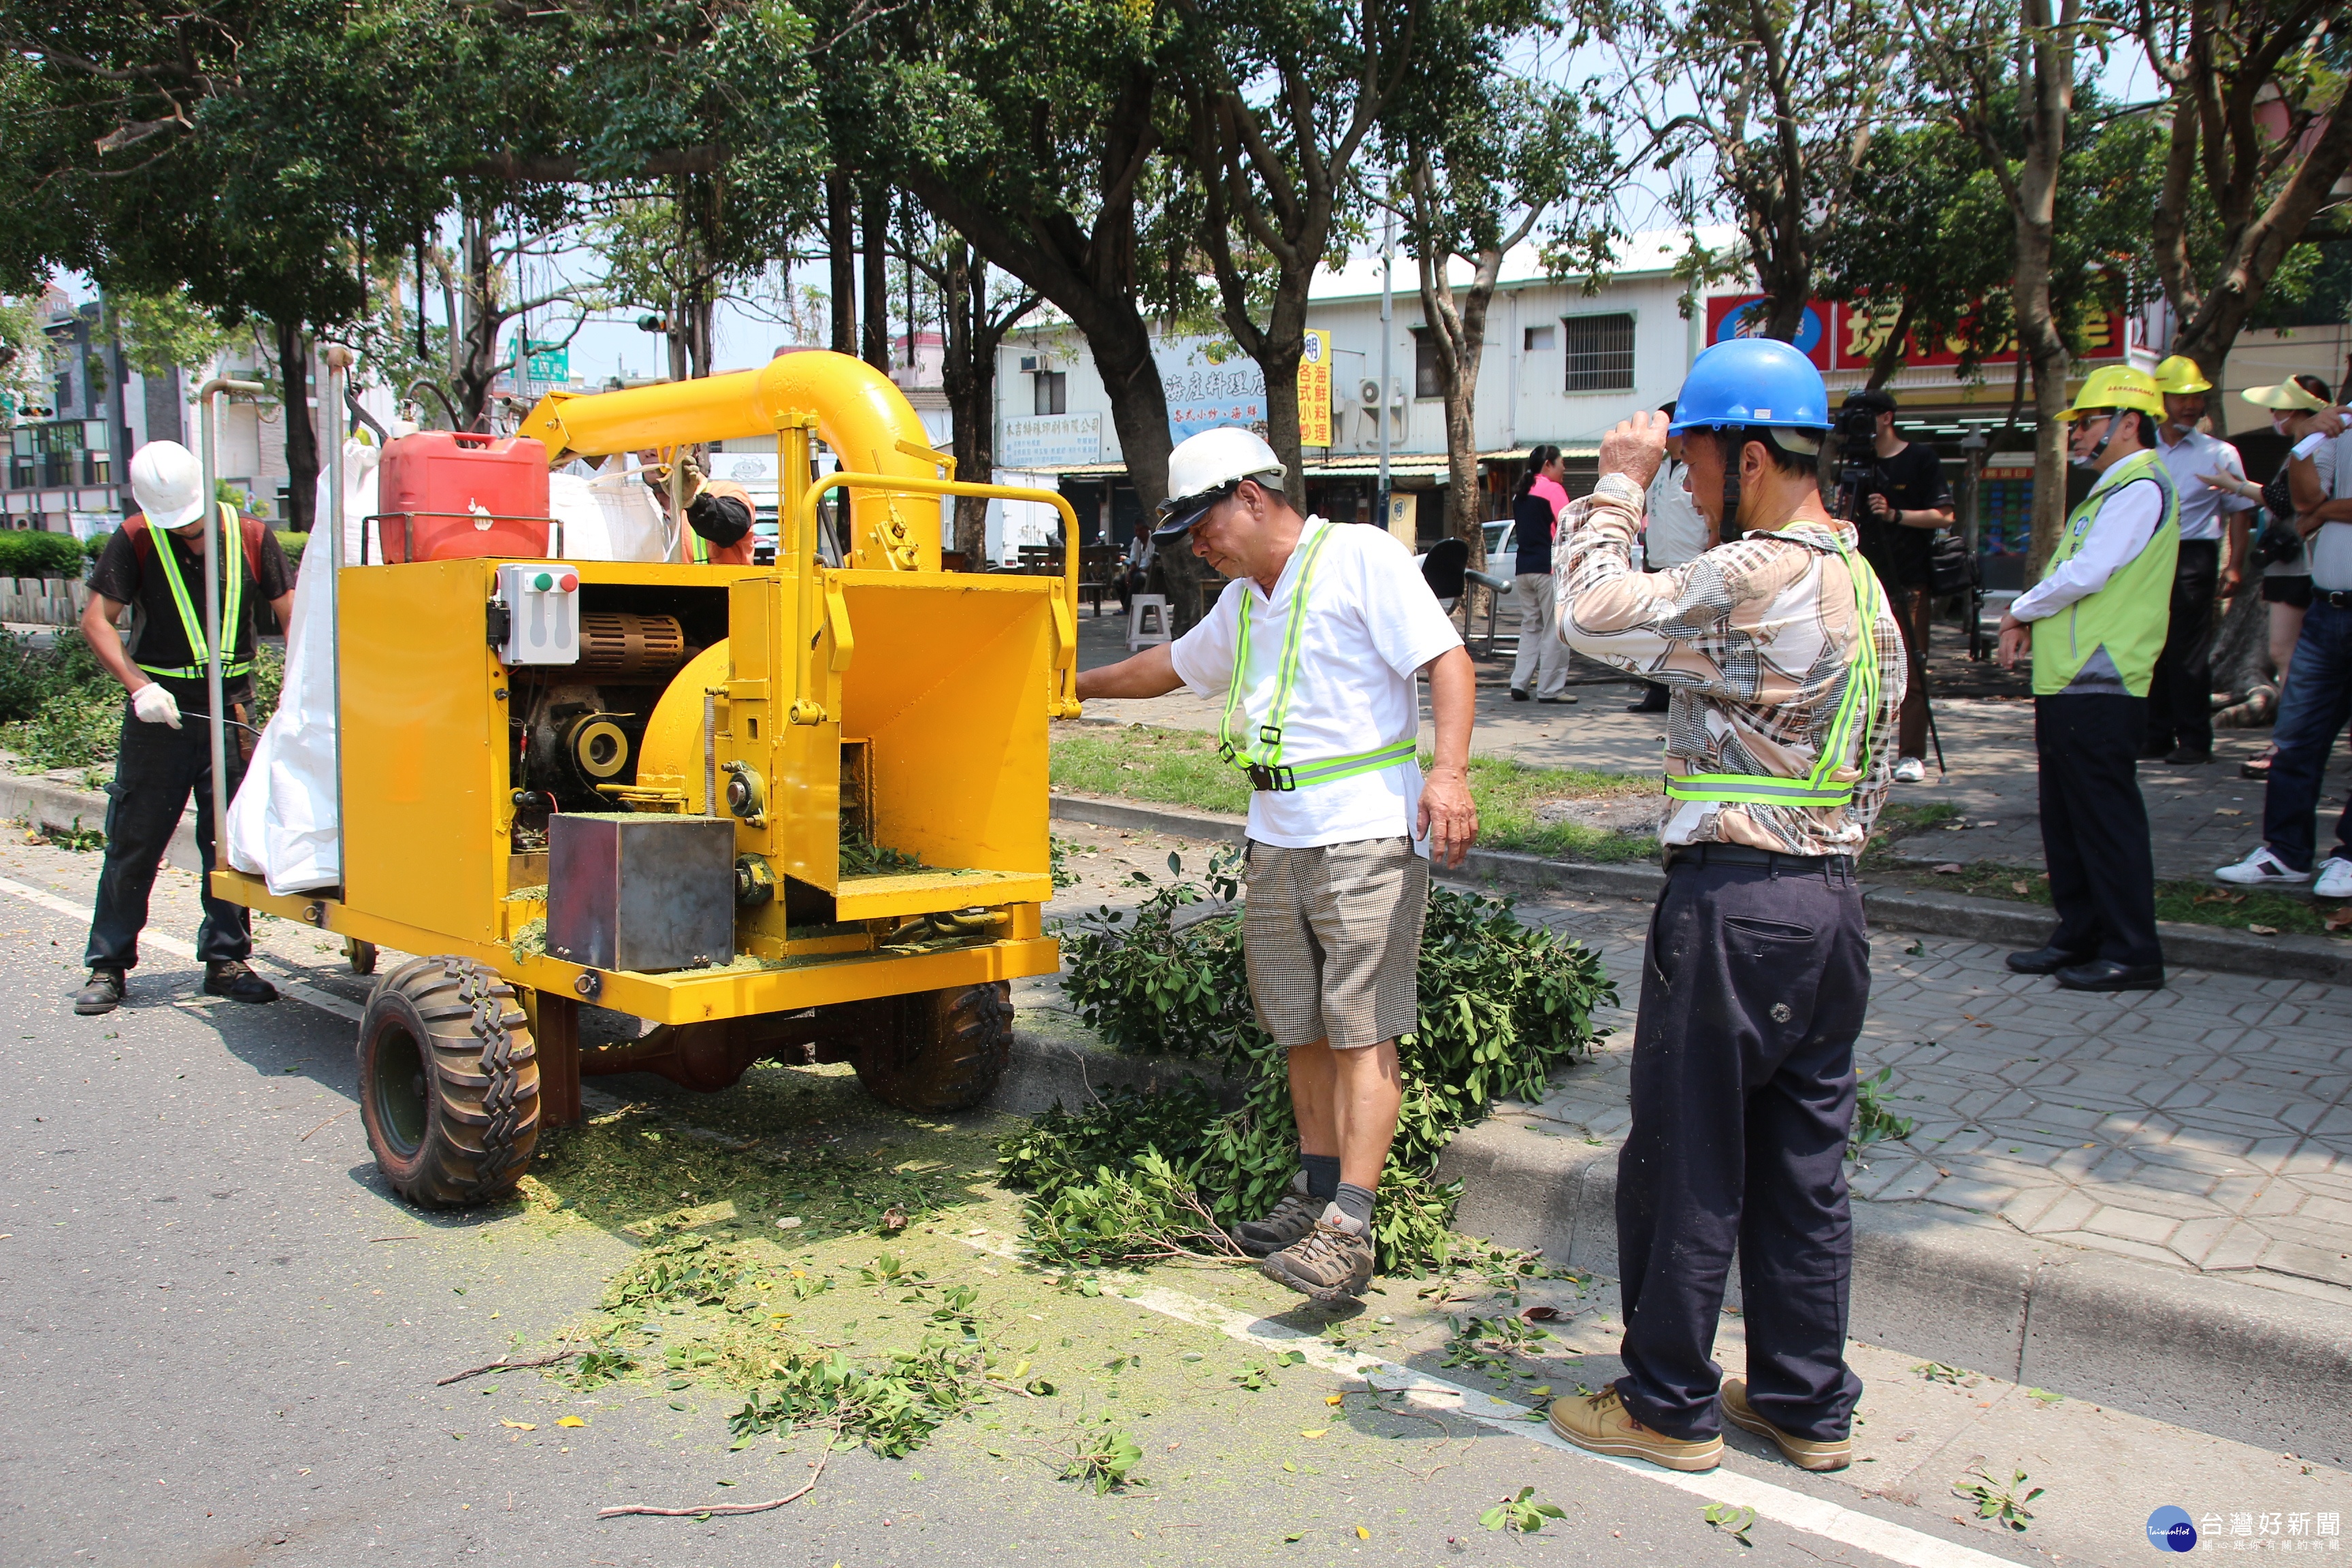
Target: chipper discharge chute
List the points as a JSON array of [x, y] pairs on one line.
[[793, 811]]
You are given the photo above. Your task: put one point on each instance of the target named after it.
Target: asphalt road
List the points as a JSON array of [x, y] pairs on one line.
[[224, 1336]]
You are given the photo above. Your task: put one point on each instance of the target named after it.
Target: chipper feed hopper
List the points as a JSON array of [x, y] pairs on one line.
[[795, 812]]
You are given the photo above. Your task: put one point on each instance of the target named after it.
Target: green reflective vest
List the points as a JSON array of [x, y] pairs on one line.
[[1849, 726], [192, 620], [2108, 641], [1262, 759]]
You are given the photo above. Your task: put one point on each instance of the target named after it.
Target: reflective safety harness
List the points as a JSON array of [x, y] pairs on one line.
[[1263, 761], [193, 624], [1855, 710]]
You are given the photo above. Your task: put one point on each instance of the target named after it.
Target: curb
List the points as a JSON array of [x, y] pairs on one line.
[[2214, 1354], [46, 803], [1919, 910]]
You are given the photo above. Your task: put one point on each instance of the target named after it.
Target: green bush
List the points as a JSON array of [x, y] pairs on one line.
[[30, 554], [1502, 1003], [60, 709], [95, 545]]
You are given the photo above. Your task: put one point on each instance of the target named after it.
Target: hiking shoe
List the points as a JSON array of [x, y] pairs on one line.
[[2261, 869], [102, 995], [2334, 878], [1600, 1424], [1329, 1264], [1805, 1453], [2187, 757], [1292, 1218], [1911, 770], [234, 979]]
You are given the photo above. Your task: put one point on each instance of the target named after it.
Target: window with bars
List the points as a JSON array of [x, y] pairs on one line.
[[1600, 353]]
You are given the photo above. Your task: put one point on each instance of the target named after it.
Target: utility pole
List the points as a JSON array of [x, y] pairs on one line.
[[1388, 255]]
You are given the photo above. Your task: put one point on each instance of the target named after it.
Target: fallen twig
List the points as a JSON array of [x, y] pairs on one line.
[[373, 1240], [719, 1508], [547, 1360], [329, 1121]]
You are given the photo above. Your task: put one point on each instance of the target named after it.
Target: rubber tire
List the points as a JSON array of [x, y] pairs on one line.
[[361, 955], [939, 1050], [448, 1083]]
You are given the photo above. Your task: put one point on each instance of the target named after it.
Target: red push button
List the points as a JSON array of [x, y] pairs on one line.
[[571, 582]]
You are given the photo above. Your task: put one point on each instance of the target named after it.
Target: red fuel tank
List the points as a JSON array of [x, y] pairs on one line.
[[446, 495]]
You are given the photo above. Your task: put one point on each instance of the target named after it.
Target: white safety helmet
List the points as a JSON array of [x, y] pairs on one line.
[[1203, 469], [168, 483]]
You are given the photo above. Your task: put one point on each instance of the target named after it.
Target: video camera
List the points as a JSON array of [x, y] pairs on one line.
[[1860, 474]]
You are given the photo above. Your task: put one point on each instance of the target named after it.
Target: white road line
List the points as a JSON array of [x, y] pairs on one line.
[[325, 1000], [1813, 1515]]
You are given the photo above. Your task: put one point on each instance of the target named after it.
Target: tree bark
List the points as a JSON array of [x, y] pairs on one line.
[[874, 228], [974, 332], [2051, 93], [841, 245], [302, 434]]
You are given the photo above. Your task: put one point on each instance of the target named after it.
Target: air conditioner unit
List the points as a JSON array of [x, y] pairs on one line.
[[1029, 364], [1368, 393]]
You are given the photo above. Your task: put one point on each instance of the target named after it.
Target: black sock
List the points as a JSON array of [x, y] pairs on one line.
[[1355, 1202], [1322, 1175]]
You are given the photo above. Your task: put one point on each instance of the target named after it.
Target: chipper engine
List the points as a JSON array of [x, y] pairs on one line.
[[792, 813]]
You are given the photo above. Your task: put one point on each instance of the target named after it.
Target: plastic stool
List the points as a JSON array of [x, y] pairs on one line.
[[1151, 607]]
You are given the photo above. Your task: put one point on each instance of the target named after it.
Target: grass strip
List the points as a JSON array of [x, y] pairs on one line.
[[1180, 767]]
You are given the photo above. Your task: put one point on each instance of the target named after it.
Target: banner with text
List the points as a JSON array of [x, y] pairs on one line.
[[1205, 394], [1845, 337], [1049, 440], [1315, 389]]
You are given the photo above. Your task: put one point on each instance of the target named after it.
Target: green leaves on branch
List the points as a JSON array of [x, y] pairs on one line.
[[1137, 1177], [892, 1403]]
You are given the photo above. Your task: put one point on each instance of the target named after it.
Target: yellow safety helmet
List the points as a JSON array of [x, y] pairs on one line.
[[2178, 376], [2117, 386]]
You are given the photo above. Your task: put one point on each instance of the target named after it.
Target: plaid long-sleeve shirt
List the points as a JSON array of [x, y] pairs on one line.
[[1753, 641]]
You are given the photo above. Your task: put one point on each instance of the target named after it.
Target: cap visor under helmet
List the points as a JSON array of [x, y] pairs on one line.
[[1183, 514]]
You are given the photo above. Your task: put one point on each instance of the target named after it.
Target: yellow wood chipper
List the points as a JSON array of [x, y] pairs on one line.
[[793, 811]]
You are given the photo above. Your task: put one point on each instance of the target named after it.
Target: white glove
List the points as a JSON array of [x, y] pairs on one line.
[[156, 706]]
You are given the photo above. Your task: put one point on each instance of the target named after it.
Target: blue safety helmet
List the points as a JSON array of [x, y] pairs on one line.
[[1752, 381]]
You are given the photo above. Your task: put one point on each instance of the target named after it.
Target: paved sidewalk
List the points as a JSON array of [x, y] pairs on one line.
[[2199, 817], [2206, 1126]]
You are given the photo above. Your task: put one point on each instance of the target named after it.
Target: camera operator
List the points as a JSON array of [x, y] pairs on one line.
[[1893, 492]]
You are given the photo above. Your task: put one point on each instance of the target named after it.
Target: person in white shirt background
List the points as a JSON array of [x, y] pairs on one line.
[[1672, 533], [2180, 698], [1314, 646], [2316, 701]]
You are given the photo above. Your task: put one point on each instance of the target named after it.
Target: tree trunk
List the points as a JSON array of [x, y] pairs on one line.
[[875, 232], [2052, 91], [475, 361], [301, 432], [841, 244], [970, 381]]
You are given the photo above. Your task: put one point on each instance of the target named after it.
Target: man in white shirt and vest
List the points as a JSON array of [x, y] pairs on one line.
[[1313, 648], [2179, 694], [1785, 669], [2095, 623]]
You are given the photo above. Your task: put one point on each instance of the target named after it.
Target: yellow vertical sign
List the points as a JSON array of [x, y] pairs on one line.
[[1315, 389]]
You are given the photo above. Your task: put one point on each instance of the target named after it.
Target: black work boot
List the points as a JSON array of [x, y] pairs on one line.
[[234, 979], [102, 995]]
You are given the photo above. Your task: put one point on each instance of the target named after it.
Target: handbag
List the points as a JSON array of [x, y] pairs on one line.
[[1951, 569]]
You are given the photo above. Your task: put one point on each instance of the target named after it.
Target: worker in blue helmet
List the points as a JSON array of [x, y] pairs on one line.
[[1785, 669]]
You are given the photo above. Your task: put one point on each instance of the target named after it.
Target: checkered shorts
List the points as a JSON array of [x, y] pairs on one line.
[[1332, 935]]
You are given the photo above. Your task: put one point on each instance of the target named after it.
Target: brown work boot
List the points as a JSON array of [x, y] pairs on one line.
[[1329, 1264], [1292, 1218], [1601, 1424], [1805, 1453], [102, 995]]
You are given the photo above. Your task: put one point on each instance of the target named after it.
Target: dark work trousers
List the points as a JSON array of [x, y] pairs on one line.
[[1914, 613], [2181, 695], [2312, 713], [2094, 826], [1752, 994], [157, 769]]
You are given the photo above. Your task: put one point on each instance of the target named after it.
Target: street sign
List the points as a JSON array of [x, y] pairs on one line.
[[550, 364], [1315, 389]]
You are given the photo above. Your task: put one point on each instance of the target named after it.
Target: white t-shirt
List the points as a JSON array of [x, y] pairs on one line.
[[2330, 549], [1675, 530], [2202, 508], [1371, 625]]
